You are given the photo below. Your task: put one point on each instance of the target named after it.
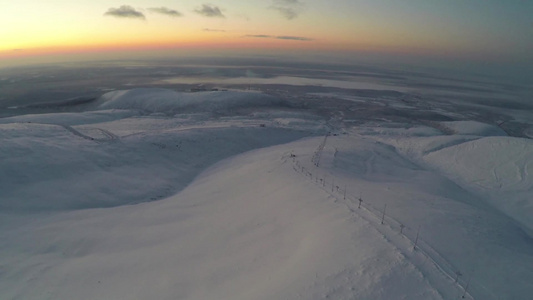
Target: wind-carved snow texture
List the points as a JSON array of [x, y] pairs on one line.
[[233, 220], [404, 218], [497, 168]]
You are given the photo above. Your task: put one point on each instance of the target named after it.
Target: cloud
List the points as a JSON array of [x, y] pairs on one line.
[[259, 36], [289, 9], [294, 38], [213, 30], [125, 11], [208, 10], [166, 11], [279, 37]]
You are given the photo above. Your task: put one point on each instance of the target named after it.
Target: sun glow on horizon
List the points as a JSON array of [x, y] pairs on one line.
[[477, 30]]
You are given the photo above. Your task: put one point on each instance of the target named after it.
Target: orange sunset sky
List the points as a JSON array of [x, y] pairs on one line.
[[34, 30]]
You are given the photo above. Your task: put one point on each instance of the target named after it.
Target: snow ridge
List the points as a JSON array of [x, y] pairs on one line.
[[455, 281]]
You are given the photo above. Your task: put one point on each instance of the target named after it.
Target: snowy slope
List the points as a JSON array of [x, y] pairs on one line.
[[72, 119], [166, 101], [256, 206], [254, 227], [248, 228], [62, 162], [473, 128], [459, 230], [496, 169], [117, 156], [500, 169]]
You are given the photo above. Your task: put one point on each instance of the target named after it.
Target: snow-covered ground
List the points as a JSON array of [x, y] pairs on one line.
[[345, 83], [155, 194]]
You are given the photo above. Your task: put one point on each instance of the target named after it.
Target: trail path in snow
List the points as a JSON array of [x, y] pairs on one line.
[[436, 270], [110, 137]]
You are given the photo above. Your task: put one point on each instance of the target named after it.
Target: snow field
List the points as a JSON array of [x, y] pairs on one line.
[[53, 161], [277, 236], [474, 128], [496, 169], [457, 232], [167, 101], [231, 222]]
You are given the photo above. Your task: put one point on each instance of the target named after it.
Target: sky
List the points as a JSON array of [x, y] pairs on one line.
[[478, 30]]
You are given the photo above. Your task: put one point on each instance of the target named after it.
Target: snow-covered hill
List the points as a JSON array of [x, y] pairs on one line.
[[167, 101], [258, 205]]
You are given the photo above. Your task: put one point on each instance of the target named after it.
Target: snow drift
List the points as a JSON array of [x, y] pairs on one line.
[[498, 168]]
